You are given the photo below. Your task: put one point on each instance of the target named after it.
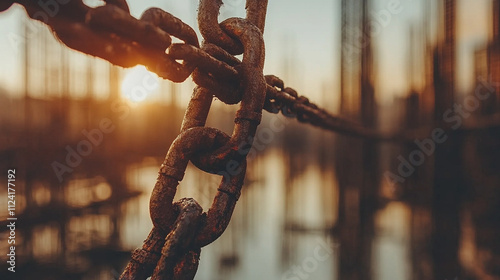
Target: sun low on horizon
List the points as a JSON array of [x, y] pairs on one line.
[[139, 84]]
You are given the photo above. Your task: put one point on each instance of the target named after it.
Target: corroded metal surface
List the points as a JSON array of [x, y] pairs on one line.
[[172, 249], [182, 225]]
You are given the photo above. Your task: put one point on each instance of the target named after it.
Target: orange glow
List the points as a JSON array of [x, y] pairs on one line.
[[139, 84]]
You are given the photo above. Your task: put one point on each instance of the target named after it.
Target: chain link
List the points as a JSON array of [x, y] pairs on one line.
[[180, 229], [185, 232]]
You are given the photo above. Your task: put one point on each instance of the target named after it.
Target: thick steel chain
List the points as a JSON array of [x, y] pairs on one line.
[[180, 229], [186, 231]]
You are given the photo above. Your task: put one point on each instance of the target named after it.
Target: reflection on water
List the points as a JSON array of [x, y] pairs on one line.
[[391, 245], [282, 228], [293, 221]]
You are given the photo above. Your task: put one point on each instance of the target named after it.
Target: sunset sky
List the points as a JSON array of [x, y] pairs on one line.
[[302, 42]]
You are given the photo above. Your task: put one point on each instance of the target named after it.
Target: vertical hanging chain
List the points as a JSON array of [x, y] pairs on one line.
[[180, 229]]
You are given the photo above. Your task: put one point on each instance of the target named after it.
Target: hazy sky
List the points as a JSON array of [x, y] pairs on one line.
[[302, 41]]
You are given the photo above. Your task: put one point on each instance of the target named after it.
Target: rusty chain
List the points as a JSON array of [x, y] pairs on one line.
[[182, 225], [181, 229]]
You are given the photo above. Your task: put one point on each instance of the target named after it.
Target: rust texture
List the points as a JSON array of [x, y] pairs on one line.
[[180, 229], [179, 240], [182, 225]]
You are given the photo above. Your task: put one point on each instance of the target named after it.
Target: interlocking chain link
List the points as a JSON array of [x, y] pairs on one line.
[[186, 231], [180, 229], [182, 225]]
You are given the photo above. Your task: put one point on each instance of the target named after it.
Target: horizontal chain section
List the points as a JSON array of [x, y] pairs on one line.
[[111, 33]]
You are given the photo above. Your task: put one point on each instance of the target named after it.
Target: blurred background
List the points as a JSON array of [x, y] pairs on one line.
[[315, 204]]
